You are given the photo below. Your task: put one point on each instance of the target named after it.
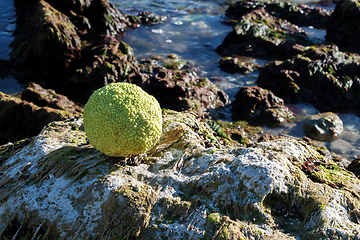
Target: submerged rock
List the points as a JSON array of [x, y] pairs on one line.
[[323, 126], [146, 18], [259, 34], [343, 28], [236, 64], [320, 75], [57, 186], [260, 106]]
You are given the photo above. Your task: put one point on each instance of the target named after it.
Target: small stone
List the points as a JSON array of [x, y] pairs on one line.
[[323, 126]]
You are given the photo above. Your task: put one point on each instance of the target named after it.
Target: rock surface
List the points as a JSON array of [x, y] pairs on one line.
[[320, 75], [54, 39], [259, 34], [342, 28], [236, 64], [183, 90], [323, 126], [57, 186], [299, 14], [49, 98], [260, 106], [21, 119]]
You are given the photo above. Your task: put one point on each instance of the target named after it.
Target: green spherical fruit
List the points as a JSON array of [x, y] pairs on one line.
[[121, 119]]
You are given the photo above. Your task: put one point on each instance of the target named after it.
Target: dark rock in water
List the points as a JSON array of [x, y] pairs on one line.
[[343, 26], [321, 75], [182, 90], [260, 106], [46, 42], [299, 14], [108, 62], [354, 167], [52, 38], [259, 34], [237, 64], [323, 126], [146, 18], [49, 98], [21, 119]]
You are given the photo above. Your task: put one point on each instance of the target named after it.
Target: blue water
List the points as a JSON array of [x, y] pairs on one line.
[[8, 85]]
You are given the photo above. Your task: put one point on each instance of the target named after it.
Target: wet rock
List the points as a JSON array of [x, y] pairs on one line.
[[43, 97], [323, 126], [45, 42], [299, 14], [320, 75], [146, 18], [342, 28], [260, 106], [237, 64], [216, 190], [259, 34], [53, 38], [21, 119], [108, 62], [183, 90], [354, 167]]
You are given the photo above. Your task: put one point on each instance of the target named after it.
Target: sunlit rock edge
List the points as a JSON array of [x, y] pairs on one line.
[[58, 185]]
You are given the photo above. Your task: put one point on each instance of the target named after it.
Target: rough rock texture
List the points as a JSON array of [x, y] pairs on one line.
[[47, 97], [259, 34], [56, 38], [183, 90], [146, 18], [236, 64], [109, 62], [21, 119], [58, 186], [343, 28], [323, 126], [260, 106], [45, 41], [299, 14], [320, 75]]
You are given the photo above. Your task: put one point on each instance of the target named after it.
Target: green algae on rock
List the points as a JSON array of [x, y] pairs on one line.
[[259, 34], [320, 75], [121, 119], [183, 190]]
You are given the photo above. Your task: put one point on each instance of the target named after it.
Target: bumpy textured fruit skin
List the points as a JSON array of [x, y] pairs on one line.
[[121, 119]]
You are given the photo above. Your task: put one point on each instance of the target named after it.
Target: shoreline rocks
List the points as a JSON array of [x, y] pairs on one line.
[[21, 119], [60, 184], [260, 106]]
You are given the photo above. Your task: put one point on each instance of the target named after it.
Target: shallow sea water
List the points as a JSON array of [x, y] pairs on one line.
[[192, 31]]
